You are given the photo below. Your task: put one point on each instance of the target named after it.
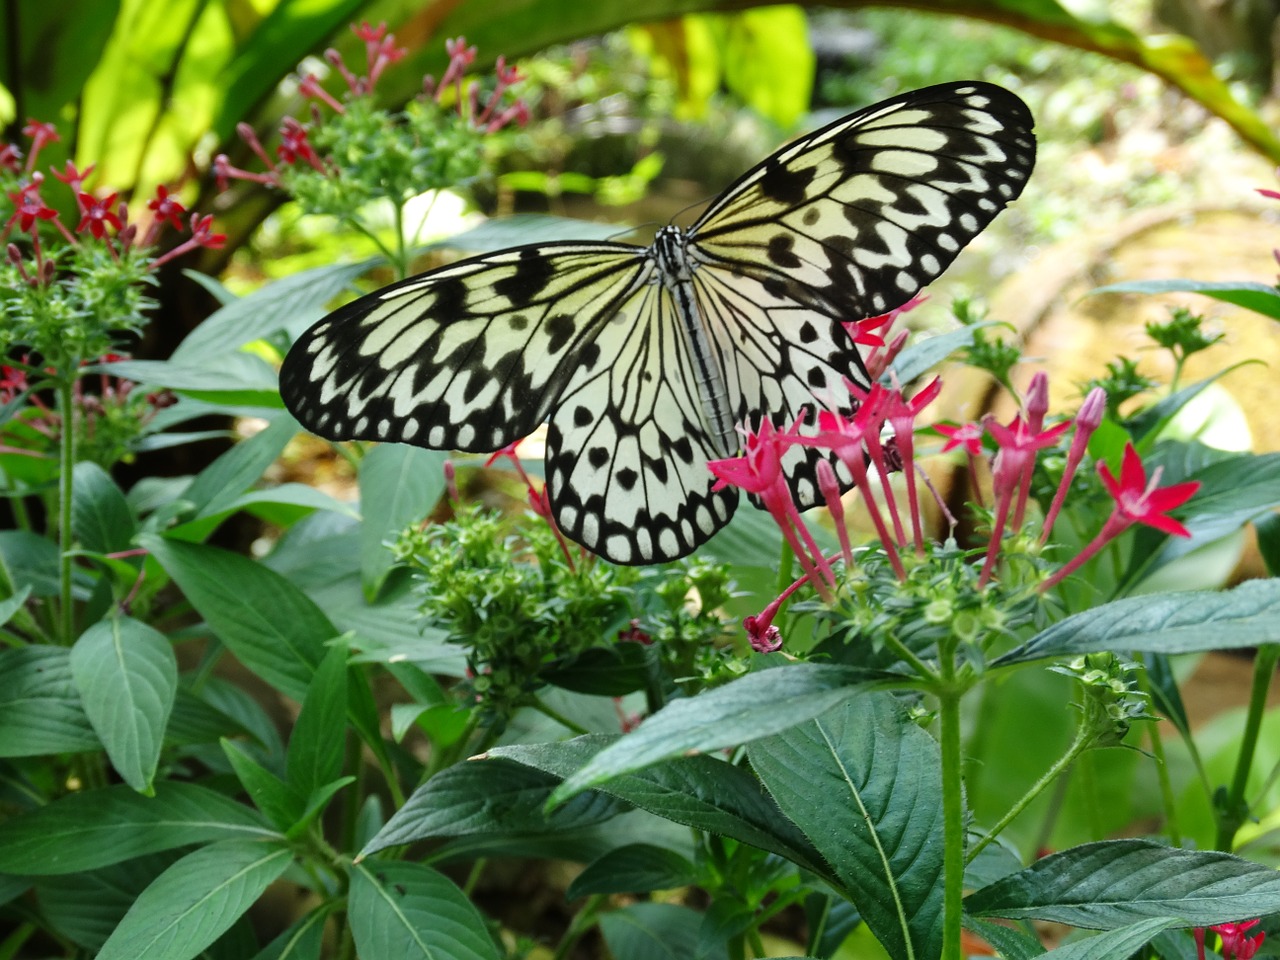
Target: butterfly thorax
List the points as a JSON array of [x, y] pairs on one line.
[[670, 255]]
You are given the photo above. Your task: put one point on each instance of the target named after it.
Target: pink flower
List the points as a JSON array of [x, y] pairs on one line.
[[167, 209], [759, 471], [1235, 944], [73, 177], [29, 206], [97, 214], [967, 436], [1140, 501]]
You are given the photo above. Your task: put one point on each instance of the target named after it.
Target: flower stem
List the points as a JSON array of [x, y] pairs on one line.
[[66, 476], [1236, 810], [1078, 746], [952, 817]]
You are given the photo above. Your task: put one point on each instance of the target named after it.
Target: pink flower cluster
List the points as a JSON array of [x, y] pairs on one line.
[[97, 213], [380, 52], [855, 441], [1236, 943]]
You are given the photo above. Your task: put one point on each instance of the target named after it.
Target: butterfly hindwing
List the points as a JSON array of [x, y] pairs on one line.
[[627, 448], [865, 211], [468, 357]]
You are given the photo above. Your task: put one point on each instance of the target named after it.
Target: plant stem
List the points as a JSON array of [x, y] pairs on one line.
[[1237, 810], [558, 717], [1078, 746], [67, 462], [952, 812]]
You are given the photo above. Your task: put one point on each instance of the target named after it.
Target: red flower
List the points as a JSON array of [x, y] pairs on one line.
[[166, 208], [967, 436], [97, 214], [29, 206], [9, 157], [863, 331], [1140, 501], [73, 177], [202, 232], [1234, 942], [1235, 945]]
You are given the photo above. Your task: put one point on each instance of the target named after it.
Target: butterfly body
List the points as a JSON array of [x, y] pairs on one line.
[[643, 361]]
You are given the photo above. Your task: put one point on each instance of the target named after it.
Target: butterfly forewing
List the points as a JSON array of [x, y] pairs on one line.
[[869, 209], [469, 357]]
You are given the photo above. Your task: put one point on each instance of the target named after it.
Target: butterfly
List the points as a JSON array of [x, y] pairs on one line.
[[643, 361]]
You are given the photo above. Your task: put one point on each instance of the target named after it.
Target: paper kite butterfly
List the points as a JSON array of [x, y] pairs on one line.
[[643, 360]]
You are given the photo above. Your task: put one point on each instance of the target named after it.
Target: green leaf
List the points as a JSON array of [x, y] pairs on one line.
[[633, 868], [86, 907], [488, 797], [921, 356], [318, 743], [193, 902], [767, 60], [302, 941], [862, 781], [31, 560], [127, 677], [724, 717], [1011, 944], [402, 910], [612, 671], [399, 485], [218, 485], [279, 802], [1123, 942], [1257, 297], [40, 710], [100, 516], [1108, 885], [1267, 530], [12, 605], [700, 792], [96, 828], [267, 622], [653, 931], [1167, 623], [292, 304], [235, 378]]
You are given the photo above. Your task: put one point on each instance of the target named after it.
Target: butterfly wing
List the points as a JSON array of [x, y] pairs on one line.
[[471, 356], [476, 355], [856, 217], [628, 446], [780, 359]]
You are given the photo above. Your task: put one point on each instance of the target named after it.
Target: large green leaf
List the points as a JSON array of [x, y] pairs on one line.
[[1257, 297], [318, 742], [654, 931], [40, 710], [100, 516], [700, 792], [291, 304], [400, 911], [399, 484], [86, 907], [196, 900], [490, 797], [633, 868], [1108, 885], [96, 828], [267, 622], [1169, 623], [863, 781], [127, 677], [1122, 942], [724, 717]]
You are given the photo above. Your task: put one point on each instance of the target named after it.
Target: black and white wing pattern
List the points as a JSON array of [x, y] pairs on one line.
[[643, 360]]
